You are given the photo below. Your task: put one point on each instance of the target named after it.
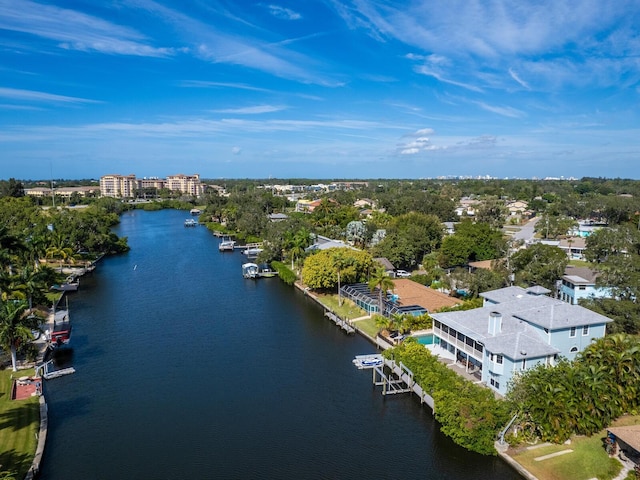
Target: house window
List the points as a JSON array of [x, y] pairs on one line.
[[524, 363], [585, 330], [582, 287], [573, 332], [497, 385], [499, 359], [574, 349], [546, 330]]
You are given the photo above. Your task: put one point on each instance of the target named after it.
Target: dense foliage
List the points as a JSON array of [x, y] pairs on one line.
[[468, 413], [581, 397], [34, 246], [324, 269]]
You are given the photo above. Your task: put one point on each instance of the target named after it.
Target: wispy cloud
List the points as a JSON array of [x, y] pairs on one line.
[[207, 84], [284, 13], [504, 111], [487, 36], [74, 30], [211, 42], [517, 78], [256, 109], [35, 96]]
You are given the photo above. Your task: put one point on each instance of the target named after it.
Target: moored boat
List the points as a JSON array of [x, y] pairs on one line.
[[190, 222], [252, 252], [60, 334], [250, 270], [226, 245]]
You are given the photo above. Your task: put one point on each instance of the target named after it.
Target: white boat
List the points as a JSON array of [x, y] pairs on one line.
[[190, 222], [227, 245], [195, 211], [252, 252], [250, 270]]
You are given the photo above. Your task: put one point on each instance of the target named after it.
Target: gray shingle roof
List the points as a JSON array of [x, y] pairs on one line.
[[521, 313]]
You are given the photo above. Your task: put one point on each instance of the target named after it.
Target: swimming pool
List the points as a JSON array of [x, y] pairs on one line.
[[427, 339]]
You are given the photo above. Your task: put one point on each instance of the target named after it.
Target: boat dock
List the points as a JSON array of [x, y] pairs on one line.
[[48, 374], [393, 377], [343, 324]]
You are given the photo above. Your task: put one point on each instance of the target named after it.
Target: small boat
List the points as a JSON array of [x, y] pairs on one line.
[[71, 284], [250, 270], [227, 245], [264, 270], [190, 222], [195, 211], [252, 252], [60, 335]]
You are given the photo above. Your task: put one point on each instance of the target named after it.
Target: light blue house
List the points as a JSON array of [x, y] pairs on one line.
[[513, 331], [579, 283]]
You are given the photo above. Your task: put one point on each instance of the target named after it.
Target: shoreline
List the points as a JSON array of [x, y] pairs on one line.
[[43, 428], [501, 452]]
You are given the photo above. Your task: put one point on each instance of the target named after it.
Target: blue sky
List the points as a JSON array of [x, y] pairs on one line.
[[320, 88]]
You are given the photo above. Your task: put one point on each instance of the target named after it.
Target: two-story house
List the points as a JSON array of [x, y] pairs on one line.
[[579, 283], [513, 331]]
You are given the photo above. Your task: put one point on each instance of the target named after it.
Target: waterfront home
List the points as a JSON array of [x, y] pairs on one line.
[[513, 331]]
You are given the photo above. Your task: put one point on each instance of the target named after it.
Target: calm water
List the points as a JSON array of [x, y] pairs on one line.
[[185, 370]]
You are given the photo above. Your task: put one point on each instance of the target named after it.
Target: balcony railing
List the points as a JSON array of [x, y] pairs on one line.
[[459, 344]]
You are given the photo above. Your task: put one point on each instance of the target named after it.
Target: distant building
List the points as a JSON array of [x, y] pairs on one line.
[[64, 192], [126, 186], [188, 184], [118, 186]]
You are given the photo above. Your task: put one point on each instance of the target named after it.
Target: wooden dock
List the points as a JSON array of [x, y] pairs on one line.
[[393, 377], [48, 374], [343, 324]]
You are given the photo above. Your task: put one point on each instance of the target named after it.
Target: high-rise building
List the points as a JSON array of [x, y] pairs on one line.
[[118, 186]]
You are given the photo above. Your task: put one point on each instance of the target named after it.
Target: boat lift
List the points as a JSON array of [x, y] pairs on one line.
[[393, 377]]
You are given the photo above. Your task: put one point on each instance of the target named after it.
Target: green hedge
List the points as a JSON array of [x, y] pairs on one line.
[[284, 272], [469, 414]]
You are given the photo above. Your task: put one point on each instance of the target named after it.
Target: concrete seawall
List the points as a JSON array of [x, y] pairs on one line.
[[42, 440]]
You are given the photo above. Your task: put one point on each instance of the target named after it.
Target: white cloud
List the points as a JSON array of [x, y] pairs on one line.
[[517, 78], [31, 95], [284, 13], [504, 111], [257, 109], [75, 31], [236, 150]]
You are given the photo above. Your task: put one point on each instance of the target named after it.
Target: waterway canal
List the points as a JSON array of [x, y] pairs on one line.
[[187, 370]]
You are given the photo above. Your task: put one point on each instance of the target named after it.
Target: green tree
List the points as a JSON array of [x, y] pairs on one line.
[[320, 270], [16, 324], [382, 282], [539, 264], [492, 211]]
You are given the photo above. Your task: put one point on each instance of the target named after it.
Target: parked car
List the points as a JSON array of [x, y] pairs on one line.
[[402, 274]]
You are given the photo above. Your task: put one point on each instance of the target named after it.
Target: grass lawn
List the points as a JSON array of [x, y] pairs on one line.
[[348, 310], [19, 424], [588, 459], [368, 326]]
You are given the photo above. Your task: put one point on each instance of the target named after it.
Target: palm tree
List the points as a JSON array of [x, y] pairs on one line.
[[382, 282], [299, 242], [16, 323]]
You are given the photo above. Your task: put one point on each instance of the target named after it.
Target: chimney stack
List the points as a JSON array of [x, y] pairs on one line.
[[495, 323]]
